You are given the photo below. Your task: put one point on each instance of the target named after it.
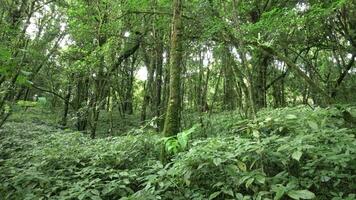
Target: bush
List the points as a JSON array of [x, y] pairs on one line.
[[70, 165], [290, 153]]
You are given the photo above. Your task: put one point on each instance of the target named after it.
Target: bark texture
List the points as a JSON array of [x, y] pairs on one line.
[[172, 121]]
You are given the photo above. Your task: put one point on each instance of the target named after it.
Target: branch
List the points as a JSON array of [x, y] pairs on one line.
[[294, 67], [126, 54], [277, 79], [154, 13], [343, 75], [51, 92]]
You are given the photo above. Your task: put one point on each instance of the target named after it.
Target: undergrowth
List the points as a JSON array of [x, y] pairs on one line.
[[289, 153]]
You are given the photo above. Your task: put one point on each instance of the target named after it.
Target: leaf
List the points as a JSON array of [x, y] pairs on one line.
[[261, 179], [218, 184], [241, 165], [290, 116], [202, 165], [279, 189], [96, 192], [313, 125], [182, 140], [279, 193], [283, 147], [297, 155], [26, 73], [183, 137], [228, 191], [187, 177], [107, 190], [214, 195], [256, 133], [301, 194], [21, 80], [95, 197], [217, 161], [4, 53], [82, 196], [325, 178], [249, 182]]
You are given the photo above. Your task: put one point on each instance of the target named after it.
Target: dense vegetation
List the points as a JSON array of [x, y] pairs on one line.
[[298, 153], [158, 99]]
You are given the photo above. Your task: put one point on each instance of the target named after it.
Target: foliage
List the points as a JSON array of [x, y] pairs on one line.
[[64, 165], [296, 153], [230, 75], [175, 144]]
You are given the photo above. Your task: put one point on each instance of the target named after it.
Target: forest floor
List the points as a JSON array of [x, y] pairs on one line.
[[289, 153]]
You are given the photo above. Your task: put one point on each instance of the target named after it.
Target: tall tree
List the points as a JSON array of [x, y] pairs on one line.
[[172, 121]]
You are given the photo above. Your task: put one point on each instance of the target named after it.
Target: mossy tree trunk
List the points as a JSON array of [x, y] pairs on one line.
[[172, 120]]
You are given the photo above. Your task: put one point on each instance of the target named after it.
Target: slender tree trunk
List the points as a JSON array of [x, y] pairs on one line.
[[81, 103], [66, 105], [129, 88], [148, 88], [172, 122], [229, 91], [159, 70], [260, 81]]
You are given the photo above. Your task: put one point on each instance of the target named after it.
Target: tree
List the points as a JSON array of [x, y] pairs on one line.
[[172, 120]]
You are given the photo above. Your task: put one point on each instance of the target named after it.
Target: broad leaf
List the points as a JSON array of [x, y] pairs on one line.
[[297, 155], [301, 194]]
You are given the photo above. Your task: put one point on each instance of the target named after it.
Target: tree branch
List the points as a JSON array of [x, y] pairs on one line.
[[293, 66], [343, 75], [51, 92]]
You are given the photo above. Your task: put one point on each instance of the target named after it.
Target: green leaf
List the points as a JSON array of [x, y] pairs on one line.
[[82, 196], [256, 133], [96, 192], [228, 191], [21, 80], [297, 155], [313, 125], [214, 195], [290, 116], [325, 178], [187, 177], [241, 165], [279, 193], [261, 179], [26, 73], [217, 161], [249, 182], [4, 53], [301, 194], [183, 137], [95, 197], [279, 189]]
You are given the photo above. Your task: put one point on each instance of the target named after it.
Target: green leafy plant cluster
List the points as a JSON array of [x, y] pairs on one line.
[[290, 153], [49, 163], [175, 144]]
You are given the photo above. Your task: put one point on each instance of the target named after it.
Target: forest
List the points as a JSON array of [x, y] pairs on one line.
[[177, 99]]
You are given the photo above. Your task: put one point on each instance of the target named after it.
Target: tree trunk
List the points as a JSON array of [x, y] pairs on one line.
[[148, 88], [260, 81], [159, 69], [229, 91], [172, 121], [81, 101], [66, 105]]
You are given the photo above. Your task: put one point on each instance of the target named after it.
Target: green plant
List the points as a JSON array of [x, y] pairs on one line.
[[178, 143]]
